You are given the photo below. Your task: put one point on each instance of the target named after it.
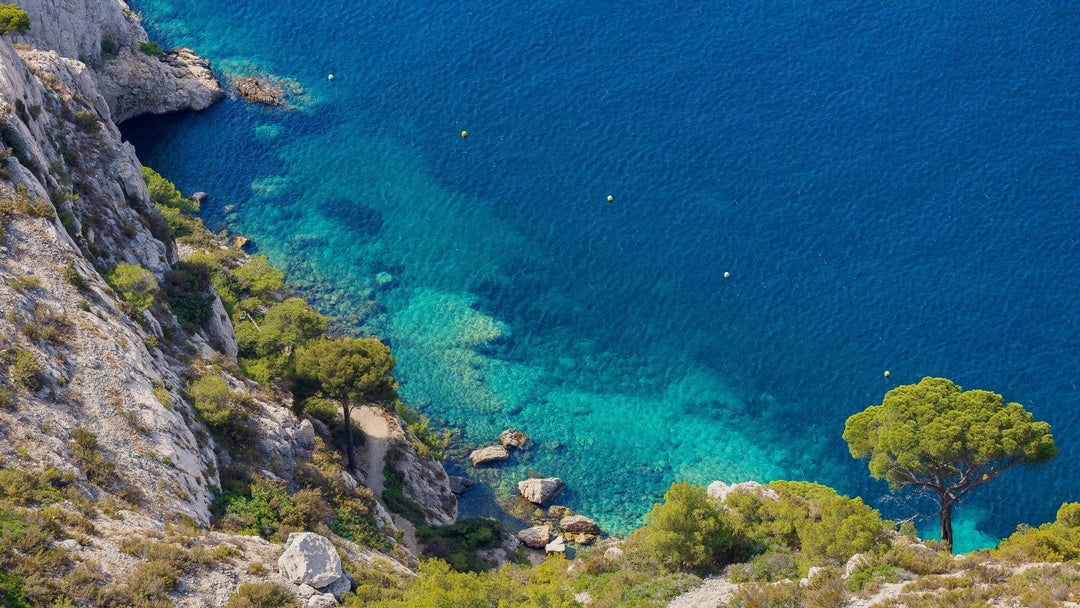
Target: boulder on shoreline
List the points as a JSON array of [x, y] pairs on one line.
[[460, 485], [489, 455], [556, 546], [579, 524], [539, 491], [513, 439], [536, 537]]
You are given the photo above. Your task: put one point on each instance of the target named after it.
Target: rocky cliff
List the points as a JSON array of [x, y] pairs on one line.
[[92, 398]]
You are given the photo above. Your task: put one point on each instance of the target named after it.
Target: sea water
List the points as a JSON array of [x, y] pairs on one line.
[[803, 195]]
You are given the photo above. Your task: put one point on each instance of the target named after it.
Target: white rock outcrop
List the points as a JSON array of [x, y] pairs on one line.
[[720, 490], [310, 559]]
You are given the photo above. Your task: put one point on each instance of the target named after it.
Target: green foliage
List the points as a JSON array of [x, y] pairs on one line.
[[134, 284], [88, 456], [688, 531], [88, 121], [187, 288], [348, 369], [24, 283], [429, 441], [355, 522], [933, 438], [22, 488], [163, 193], [25, 370], [439, 586], [286, 327], [1057, 541], [12, 594], [882, 573], [13, 19], [262, 595], [70, 274], [215, 402], [152, 49], [258, 278], [261, 508], [393, 495], [459, 542]]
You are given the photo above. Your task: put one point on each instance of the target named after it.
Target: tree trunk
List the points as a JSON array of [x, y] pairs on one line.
[[348, 439], [946, 525]]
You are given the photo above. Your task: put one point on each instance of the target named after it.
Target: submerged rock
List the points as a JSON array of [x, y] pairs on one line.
[[513, 439], [539, 491], [259, 90], [460, 485], [489, 455], [579, 524]]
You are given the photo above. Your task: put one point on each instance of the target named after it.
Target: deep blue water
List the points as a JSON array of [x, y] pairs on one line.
[[891, 186]]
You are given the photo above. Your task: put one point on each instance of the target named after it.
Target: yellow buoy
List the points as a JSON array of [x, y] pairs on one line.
[[610, 198], [464, 133], [727, 275], [887, 374], [330, 77], [985, 477]]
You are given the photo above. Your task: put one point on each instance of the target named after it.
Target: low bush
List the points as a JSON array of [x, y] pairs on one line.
[[24, 283], [25, 370], [1056, 541], [152, 49], [459, 542], [688, 531], [134, 284], [262, 595]]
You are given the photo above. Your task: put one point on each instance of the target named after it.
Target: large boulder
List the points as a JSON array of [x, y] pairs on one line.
[[489, 455], [536, 537], [579, 524], [512, 439], [539, 491], [310, 559]]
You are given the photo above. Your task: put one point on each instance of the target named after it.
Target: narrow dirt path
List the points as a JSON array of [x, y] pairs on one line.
[[376, 440], [373, 459]]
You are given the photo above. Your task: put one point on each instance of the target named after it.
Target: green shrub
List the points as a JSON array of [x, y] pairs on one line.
[[355, 522], [258, 278], [1056, 541], [688, 531], [214, 401], [459, 542], [88, 456], [152, 49], [134, 284], [187, 288], [13, 19], [25, 369], [24, 283], [164, 193], [23, 488], [261, 508], [88, 121], [262, 595], [70, 274]]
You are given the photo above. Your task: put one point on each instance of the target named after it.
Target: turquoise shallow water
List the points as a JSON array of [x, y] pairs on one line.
[[889, 187]]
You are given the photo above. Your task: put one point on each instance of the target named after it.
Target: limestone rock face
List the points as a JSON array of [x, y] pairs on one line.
[[106, 36], [424, 480], [513, 439], [536, 537], [219, 330], [322, 600], [539, 491], [489, 455], [579, 524], [310, 559]]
